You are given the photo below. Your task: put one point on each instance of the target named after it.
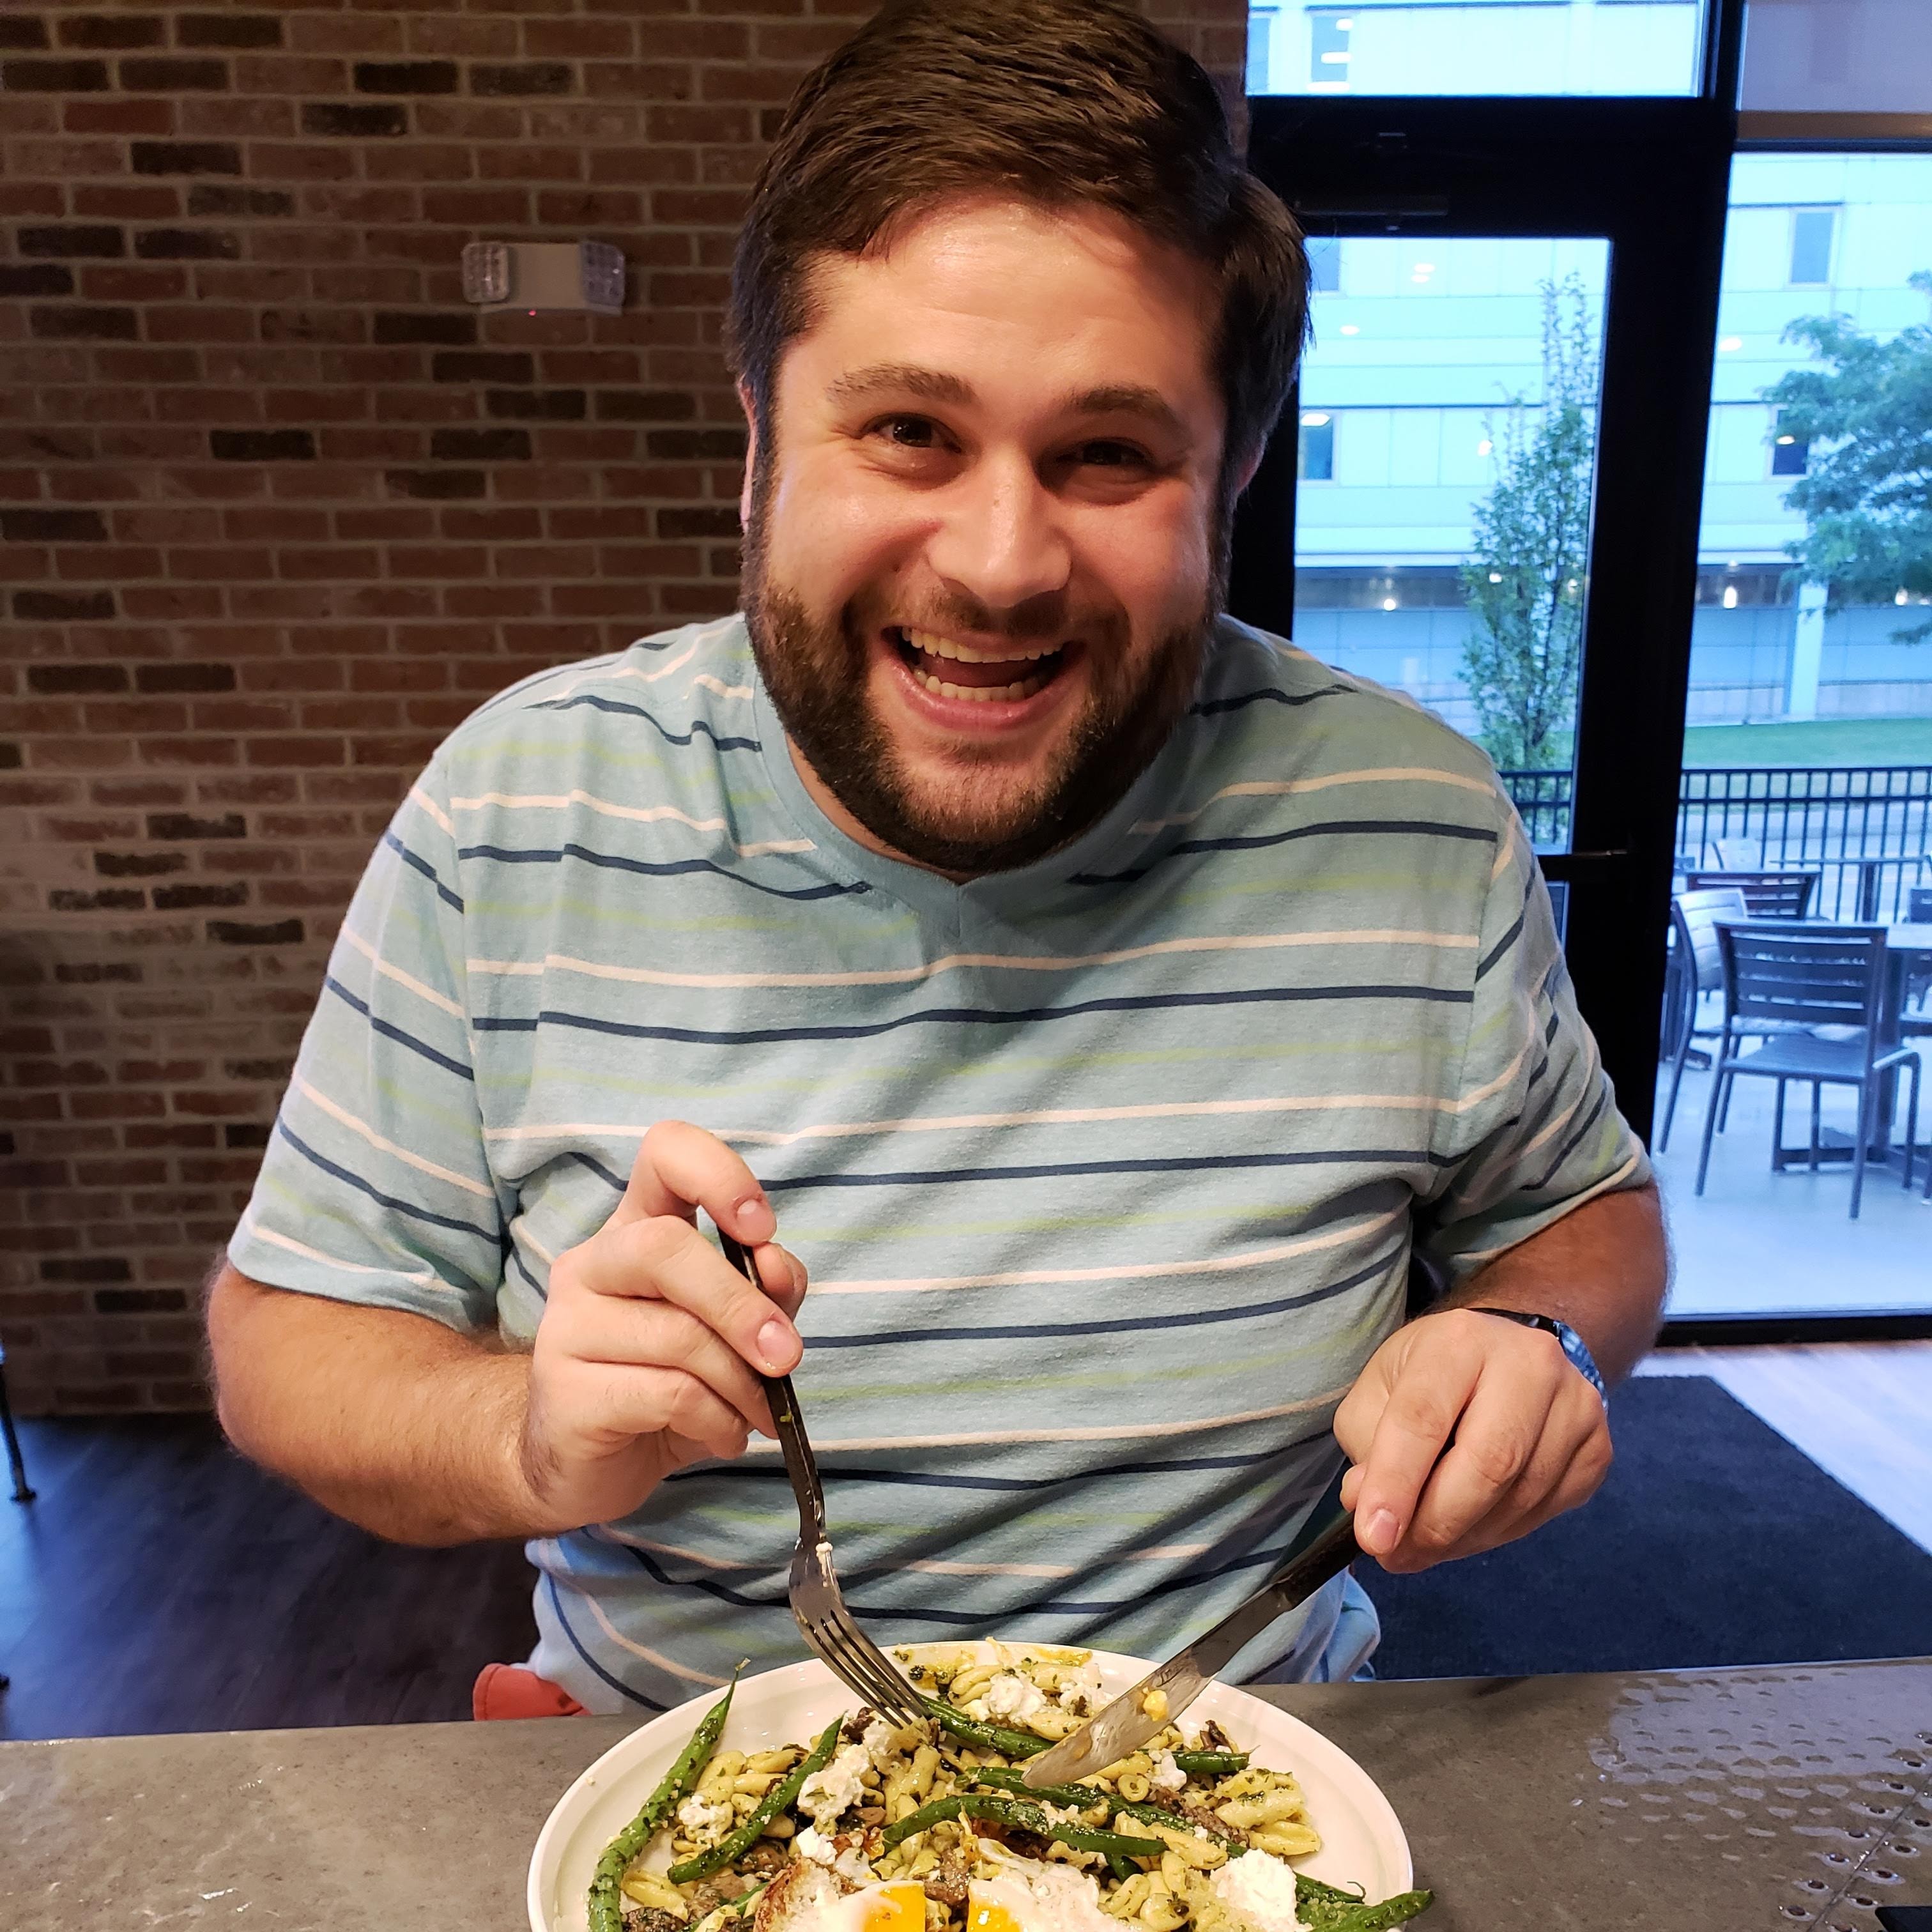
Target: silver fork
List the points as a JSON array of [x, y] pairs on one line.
[[827, 1624]]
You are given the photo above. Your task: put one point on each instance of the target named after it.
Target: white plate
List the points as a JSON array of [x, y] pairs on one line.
[[1362, 1842]]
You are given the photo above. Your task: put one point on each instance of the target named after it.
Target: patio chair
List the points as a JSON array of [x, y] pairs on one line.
[[1767, 895], [1808, 978]]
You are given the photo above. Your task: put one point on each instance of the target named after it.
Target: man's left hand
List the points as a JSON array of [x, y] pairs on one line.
[[1530, 1438]]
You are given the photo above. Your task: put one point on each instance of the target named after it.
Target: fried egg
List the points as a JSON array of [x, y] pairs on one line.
[[897, 1905], [1027, 1896]]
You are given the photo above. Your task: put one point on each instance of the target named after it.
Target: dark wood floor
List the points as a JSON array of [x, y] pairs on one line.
[[158, 1583]]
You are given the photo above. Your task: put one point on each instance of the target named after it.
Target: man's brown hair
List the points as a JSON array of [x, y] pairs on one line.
[[1062, 104]]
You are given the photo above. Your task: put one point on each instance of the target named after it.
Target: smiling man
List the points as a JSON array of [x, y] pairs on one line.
[[1114, 1002]]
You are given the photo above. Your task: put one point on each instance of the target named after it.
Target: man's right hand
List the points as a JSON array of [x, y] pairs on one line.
[[651, 1344]]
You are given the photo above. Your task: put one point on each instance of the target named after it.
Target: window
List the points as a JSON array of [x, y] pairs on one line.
[[1318, 446], [1328, 49], [1811, 231], [1324, 264], [1788, 452]]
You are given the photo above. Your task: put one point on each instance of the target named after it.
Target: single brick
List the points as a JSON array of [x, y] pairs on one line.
[[526, 77], [139, 1301], [84, 1268], [95, 239], [245, 1133], [645, 406], [273, 932], [687, 444], [536, 405], [22, 30], [53, 680], [178, 898], [165, 76], [217, 198], [54, 76], [113, 899], [436, 486], [262, 445], [480, 445], [100, 31], [38, 278], [84, 324], [139, 865], [410, 325], [63, 606], [707, 521], [353, 121], [185, 157], [162, 677], [187, 244], [430, 77], [483, 365], [97, 972], [277, 1070], [52, 526], [228, 30], [172, 825]]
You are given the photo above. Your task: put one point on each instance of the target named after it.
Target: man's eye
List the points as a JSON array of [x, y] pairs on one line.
[[1104, 455], [909, 432]]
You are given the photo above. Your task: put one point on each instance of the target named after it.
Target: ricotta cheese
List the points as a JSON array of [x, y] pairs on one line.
[[1011, 1699], [1258, 1888], [829, 1793]]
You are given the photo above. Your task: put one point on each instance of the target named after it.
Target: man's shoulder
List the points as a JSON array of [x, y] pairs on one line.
[[686, 689], [1266, 693]]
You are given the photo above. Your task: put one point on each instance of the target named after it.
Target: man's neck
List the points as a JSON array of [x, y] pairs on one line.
[[829, 802]]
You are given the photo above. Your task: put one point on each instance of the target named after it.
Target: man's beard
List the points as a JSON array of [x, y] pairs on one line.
[[818, 672]]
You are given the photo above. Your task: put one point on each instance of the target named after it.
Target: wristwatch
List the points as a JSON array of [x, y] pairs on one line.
[[1572, 1344]]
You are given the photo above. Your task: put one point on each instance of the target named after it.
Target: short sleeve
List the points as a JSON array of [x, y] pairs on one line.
[[375, 1186], [1533, 1129]]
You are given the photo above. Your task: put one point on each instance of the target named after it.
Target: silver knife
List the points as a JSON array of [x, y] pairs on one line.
[[1126, 1723]]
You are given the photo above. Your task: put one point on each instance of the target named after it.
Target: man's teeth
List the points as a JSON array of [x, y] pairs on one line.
[[935, 646], [980, 694]]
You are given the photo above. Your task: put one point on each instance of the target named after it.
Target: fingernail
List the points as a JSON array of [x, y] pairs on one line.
[[775, 1345], [756, 1221], [1380, 1534]]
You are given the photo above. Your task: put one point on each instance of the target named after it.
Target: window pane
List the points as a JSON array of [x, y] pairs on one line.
[[1838, 56], [1444, 552], [1324, 264], [1475, 46], [1808, 750]]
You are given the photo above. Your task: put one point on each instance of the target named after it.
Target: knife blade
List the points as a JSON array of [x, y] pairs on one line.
[[1126, 1724]]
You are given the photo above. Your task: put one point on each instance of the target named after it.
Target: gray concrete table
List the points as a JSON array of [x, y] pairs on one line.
[[1739, 1800]]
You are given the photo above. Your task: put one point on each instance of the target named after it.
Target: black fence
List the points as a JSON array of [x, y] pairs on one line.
[[1866, 829]]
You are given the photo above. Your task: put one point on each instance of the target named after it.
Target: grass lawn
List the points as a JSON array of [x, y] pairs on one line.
[[1826, 741]]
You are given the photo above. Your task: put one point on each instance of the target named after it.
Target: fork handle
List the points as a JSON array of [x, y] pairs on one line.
[[800, 1464]]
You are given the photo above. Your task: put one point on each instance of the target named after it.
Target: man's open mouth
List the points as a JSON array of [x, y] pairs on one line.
[[950, 669]]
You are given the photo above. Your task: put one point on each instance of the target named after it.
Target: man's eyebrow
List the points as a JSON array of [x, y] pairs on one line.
[[931, 386], [1131, 399]]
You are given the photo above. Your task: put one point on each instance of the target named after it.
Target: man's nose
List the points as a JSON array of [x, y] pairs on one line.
[[999, 539]]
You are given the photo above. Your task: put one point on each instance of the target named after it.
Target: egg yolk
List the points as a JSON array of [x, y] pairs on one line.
[[897, 1907]]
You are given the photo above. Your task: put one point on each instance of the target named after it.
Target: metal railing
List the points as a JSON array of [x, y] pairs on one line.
[[1866, 829]]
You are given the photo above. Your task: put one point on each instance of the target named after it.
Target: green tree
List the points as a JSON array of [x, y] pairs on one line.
[[1523, 582], [1867, 490]]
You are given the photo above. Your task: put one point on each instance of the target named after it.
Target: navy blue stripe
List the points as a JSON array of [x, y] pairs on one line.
[[423, 866], [919, 1479], [617, 1684], [511, 855], [1194, 1318], [338, 1172], [523, 1267], [1406, 828], [1210, 706], [977, 1015], [1061, 1170], [596, 1167], [664, 730], [395, 1033], [1501, 946]]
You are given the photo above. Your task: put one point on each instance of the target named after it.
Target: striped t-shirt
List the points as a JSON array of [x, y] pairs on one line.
[[1107, 1170]]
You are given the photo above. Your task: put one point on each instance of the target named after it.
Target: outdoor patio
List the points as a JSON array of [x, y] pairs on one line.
[[1759, 1242]]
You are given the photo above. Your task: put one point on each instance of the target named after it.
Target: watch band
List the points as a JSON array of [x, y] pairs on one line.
[[1572, 1344]]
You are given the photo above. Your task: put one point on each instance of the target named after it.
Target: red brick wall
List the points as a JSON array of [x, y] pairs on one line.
[[277, 509]]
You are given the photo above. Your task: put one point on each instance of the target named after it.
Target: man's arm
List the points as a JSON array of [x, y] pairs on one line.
[[646, 1358], [1530, 1437]]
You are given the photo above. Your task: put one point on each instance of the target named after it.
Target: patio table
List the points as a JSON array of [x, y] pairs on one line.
[[1753, 1800]]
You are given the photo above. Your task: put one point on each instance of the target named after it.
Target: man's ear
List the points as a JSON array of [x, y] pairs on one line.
[[1248, 470], [751, 452]]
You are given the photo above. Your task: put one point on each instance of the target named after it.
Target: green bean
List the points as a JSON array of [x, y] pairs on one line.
[[1318, 1905], [1210, 1764], [1396, 1911], [729, 1850], [606, 1913], [1087, 1795], [988, 1737], [1021, 1817]]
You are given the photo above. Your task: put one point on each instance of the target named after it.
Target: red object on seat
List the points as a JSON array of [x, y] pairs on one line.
[[509, 1691]]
